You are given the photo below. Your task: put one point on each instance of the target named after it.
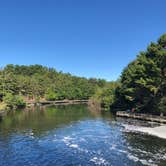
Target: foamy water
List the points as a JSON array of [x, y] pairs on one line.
[[159, 131]]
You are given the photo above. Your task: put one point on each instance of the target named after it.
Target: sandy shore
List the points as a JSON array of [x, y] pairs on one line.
[[159, 131]]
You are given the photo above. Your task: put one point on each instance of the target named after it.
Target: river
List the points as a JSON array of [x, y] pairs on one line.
[[74, 135]]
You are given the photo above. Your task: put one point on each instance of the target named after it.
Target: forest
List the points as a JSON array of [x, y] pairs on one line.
[[19, 84], [141, 86]]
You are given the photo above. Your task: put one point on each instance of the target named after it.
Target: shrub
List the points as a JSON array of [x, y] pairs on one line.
[[51, 96], [14, 101]]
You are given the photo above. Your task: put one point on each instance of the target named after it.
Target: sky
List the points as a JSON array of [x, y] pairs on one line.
[[89, 38]]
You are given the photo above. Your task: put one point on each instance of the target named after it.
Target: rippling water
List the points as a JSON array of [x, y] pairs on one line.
[[73, 135]]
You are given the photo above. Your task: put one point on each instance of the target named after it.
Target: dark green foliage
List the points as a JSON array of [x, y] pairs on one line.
[[162, 105], [142, 85], [143, 81]]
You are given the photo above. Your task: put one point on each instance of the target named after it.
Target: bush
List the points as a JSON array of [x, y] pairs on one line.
[[51, 96], [19, 101], [106, 95], [106, 102], [14, 101]]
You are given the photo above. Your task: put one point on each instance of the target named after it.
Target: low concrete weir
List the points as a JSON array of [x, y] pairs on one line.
[[57, 102], [147, 117]]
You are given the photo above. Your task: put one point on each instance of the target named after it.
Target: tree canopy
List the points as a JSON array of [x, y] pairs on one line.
[[143, 81], [142, 84], [38, 82]]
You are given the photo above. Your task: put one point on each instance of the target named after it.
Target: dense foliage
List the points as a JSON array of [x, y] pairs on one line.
[[105, 95], [143, 81], [14, 101], [36, 82], [142, 85]]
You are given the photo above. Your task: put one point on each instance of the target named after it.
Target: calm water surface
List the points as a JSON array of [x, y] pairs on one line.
[[73, 135]]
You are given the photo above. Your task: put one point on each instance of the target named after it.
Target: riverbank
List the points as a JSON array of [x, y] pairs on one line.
[[146, 117]]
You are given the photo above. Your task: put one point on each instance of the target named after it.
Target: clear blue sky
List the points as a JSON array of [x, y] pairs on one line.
[[91, 38]]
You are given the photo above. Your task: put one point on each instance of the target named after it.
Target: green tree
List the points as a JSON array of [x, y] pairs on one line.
[[143, 81], [14, 101]]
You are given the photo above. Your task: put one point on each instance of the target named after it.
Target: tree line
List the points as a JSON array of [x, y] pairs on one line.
[[19, 83], [142, 85]]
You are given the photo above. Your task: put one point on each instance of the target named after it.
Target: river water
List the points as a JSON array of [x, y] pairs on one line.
[[73, 135]]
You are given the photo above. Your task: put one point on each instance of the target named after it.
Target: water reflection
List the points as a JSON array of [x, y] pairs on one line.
[[42, 119], [74, 135]]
